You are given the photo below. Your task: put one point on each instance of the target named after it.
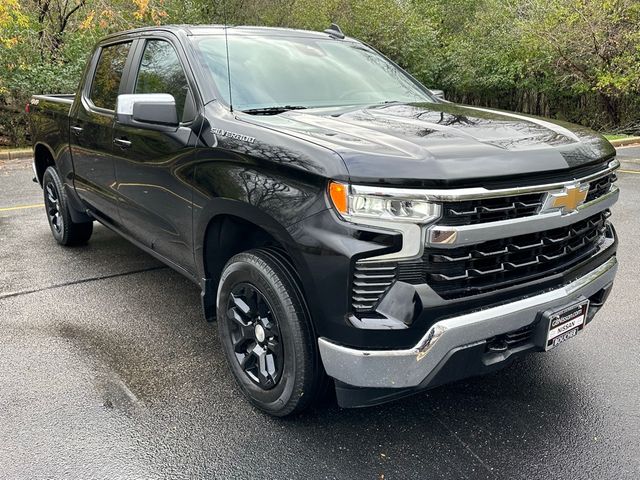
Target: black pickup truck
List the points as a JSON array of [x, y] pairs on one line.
[[348, 228]]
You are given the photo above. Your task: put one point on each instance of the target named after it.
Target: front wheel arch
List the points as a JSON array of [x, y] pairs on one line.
[[271, 234]]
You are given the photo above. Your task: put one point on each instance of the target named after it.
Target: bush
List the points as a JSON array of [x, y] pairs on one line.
[[576, 60]]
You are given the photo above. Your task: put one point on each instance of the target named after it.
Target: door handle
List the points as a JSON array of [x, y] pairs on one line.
[[77, 130], [122, 142]]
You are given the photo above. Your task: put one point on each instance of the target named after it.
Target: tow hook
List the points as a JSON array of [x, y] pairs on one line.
[[498, 345]]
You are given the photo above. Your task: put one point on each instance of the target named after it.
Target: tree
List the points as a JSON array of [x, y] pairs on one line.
[[593, 45], [577, 60]]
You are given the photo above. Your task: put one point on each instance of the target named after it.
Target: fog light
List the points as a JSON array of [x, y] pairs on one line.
[[444, 237]]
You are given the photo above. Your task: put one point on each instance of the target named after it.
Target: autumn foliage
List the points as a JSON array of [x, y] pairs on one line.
[[577, 60]]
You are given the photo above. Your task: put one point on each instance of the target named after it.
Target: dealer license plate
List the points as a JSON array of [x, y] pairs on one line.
[[565, 324]]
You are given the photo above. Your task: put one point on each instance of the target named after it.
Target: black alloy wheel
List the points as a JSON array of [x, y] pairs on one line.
[[255, 335], [52, 204], [63, 228], [266, 333]]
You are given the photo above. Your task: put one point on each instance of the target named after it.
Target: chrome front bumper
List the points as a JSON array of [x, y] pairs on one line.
[[409, 367]]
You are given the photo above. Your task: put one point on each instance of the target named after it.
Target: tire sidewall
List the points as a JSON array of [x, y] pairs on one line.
[[276, 398]]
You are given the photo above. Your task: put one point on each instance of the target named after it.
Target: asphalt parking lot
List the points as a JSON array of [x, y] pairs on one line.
[[107, 370]]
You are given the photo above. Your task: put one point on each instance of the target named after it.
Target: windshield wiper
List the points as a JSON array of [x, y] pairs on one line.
[[273, 110]]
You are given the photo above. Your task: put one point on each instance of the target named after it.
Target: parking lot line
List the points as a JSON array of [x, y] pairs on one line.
[[630, 171], [21, 207]]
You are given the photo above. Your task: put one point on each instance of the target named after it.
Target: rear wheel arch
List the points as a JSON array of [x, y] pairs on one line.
[[43, 159]]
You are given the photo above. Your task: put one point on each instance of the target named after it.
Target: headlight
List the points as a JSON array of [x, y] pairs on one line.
[[360, 203]]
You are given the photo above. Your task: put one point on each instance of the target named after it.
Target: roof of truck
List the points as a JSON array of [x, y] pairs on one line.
[[231, 30]]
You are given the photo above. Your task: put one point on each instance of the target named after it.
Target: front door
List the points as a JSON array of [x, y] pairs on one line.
[[91, 127], [153, 165]]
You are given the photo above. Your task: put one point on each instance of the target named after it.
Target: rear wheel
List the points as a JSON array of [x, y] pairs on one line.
[[64, 229], [266, 333]]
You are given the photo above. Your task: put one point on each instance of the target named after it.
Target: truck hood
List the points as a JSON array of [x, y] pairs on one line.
[[421, 143]]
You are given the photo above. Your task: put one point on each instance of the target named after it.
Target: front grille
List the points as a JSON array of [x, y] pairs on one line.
[[491, 209], [472, 212], [599, 187], [370, 282], [493, 265], [475, 269]]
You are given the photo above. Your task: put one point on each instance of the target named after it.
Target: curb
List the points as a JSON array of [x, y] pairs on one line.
[[623, 142], [16, 154]]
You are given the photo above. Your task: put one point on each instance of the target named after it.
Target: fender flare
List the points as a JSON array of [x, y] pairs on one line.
[[249, 213]]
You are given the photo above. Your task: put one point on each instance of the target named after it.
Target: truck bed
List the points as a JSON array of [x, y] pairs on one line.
[[49, 120]]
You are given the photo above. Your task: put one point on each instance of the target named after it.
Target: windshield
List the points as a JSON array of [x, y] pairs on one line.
[[302, 72]]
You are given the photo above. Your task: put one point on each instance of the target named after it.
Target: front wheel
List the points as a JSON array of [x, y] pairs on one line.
[[64, 229], [266, 333]]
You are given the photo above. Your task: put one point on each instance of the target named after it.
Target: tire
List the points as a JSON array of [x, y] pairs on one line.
[[263, 322], [63, 228]]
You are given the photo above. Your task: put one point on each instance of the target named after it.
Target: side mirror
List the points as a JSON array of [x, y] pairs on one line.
[[438, 93], [146, 110]]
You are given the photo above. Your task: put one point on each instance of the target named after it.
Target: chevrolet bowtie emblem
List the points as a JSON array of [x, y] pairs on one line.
[[570, 198]]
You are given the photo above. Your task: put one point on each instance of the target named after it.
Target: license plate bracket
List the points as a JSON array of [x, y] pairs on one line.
[[565, 323]]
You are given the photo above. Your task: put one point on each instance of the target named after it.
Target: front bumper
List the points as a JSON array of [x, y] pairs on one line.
[[414, 367]]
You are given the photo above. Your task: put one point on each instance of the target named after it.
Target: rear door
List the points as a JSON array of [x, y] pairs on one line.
[[91, 123], [153, 164]]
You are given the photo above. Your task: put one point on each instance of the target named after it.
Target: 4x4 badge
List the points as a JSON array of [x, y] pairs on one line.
[[568, 199]]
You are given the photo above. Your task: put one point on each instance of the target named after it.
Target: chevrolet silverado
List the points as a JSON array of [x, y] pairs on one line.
[[348, 228]]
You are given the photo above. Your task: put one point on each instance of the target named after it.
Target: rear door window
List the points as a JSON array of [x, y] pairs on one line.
[[106, 80]]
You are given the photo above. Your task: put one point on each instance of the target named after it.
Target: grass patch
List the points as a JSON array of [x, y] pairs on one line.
[[4, 149], [615, 136]]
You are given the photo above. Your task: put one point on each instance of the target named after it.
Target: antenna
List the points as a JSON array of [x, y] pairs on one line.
[[335, 31], [226, 42]]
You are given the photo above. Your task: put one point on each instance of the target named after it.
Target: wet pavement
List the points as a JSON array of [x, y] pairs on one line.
[[630, 157], [107, 370]]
